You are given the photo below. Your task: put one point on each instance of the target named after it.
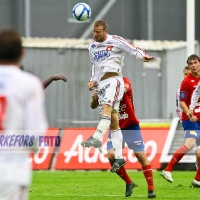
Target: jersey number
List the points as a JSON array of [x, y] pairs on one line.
[[3, 103]]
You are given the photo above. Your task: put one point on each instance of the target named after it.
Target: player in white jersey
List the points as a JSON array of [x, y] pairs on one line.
[[107, 55], [22, 118]]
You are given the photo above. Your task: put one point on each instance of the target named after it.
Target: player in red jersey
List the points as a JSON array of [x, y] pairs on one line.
[[130, 127], [192, 128]]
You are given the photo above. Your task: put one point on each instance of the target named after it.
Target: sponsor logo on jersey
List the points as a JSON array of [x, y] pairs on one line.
[[197, 110], [182, 94], [101, 55], [99, 46], [123, 116]]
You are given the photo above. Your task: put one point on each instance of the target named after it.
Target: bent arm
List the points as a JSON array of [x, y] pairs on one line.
[[184, 107], [56, 77], [94, 101]]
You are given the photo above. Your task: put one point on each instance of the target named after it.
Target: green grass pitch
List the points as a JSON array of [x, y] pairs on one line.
[[103, 185]]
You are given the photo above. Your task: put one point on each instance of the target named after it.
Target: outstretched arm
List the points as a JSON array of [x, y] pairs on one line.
[[56, 77], [147, 58]]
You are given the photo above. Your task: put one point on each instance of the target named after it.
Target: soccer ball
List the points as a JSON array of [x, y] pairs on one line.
[[81, 11]]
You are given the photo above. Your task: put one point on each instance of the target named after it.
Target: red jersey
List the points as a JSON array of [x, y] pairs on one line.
[[187, 87], [127, 114]]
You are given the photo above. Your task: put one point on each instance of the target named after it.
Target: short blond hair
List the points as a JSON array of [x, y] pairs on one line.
[[101, 23]]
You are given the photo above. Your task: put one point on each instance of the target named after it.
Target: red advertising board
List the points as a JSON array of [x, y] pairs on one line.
[[73, 156], [43, 158]]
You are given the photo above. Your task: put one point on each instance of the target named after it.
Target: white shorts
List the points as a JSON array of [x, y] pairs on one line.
[[110, 91], [11, 191]]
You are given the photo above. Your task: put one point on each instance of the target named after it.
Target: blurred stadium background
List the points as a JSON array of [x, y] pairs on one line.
[[55, 43]]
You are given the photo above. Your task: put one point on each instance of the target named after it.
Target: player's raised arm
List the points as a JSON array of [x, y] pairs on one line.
[[56, 77], [133, 50]]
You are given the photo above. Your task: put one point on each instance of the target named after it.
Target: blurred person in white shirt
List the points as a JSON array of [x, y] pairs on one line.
[[22, 118]]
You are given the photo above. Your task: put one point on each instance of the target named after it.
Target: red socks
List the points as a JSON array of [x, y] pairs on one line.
[[122, 173], [147, 171], [176, 157]]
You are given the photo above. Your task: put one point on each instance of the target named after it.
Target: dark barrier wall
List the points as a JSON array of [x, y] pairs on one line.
[[127, 18]]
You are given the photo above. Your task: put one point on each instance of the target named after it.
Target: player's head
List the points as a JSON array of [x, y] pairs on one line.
[[100, 30], [186, 71], [193, 57], [193, 62], [10, 46]]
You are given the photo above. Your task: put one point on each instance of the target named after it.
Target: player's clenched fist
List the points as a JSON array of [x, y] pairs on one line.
[[91, 85]]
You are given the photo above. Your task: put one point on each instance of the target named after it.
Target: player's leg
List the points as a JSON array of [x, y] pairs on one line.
[[116, 138], [196, 181], [102, 127], [196, 150], [132, 136], [122, 171], [110, 91], [190, 141]]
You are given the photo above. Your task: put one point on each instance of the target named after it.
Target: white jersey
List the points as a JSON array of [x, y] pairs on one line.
[[108, 56], [22, 114], [195, 97], [178, 108]]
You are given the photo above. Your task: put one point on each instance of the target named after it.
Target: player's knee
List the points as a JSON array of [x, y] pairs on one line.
[[190, 143], [114, 125], [106, 110], [142, 158]]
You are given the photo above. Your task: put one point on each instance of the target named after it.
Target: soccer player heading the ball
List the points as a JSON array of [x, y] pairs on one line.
[[106, 55]]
